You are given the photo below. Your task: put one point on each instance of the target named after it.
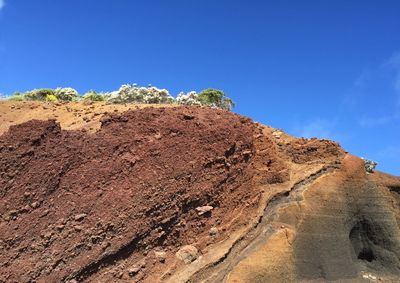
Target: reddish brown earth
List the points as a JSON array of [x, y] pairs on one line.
[[116, 204]]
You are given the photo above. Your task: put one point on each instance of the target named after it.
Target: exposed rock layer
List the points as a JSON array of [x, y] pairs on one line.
[[255, 204]]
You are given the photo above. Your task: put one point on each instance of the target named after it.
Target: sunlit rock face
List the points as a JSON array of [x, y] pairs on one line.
[[343, 225]]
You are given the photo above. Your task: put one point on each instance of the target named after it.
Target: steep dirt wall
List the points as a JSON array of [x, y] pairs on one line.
[[87, 197], [84, 206]]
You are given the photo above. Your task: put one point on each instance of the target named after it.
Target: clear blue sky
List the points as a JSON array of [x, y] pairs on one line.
[[313, 68]]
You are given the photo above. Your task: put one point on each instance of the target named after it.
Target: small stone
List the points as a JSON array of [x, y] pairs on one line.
[[204, 209], [246, 152], [213, 231], [133, 271], [45, 213], [161, 256], [47, 235], [35, 204], [80, 217], [119, 275], [60, 227], [78, 228], [27, 194], [105, 245], [25, 209], [187, 254]]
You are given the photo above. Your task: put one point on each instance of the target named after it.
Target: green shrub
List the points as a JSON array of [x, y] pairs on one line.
[[93, 96], [39, 94], [215, 97], [66, 93]]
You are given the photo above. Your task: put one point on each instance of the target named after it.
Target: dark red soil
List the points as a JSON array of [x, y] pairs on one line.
[[74, 204]]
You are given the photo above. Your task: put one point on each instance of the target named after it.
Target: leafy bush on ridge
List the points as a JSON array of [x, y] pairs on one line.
[[131, 93]]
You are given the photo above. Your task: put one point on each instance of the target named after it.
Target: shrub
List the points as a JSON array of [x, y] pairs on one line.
[[66, 93], [132, 94], [188, 99], [39, 94], [93, 96], [369, 165], [215, 97], [16, 98]]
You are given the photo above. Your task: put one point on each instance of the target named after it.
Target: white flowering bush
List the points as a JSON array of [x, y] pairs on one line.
[[369, 165], [66, 93], [190, 98], [209, 97], [132, 93]]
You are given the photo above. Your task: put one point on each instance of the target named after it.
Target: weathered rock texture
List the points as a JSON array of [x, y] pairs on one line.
[[122, 203]]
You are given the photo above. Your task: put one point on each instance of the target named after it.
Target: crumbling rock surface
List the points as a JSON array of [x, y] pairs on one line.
[[340, 227], [185, 194], [305, 150]]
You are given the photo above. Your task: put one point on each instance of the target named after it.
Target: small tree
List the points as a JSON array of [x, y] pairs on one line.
[[215, 97]]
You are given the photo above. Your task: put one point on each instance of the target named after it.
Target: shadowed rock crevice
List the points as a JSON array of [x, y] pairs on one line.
[[361, 238]]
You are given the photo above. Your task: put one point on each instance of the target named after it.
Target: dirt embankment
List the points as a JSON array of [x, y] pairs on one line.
[[184, 194], [84, 206]]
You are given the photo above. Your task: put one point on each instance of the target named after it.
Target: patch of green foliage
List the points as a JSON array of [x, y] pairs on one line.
[[93, 96], [215, 97], [39, 94]]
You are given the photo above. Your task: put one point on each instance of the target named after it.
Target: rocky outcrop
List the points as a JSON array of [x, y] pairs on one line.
[[187, 194]]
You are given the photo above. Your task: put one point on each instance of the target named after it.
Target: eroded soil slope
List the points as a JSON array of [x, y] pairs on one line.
[[185, 194], [73, 204]]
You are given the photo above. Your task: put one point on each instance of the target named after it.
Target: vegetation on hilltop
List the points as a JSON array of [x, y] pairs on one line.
[[130, 93]]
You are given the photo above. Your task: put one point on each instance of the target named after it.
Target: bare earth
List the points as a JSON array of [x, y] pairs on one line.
[[137, 193]]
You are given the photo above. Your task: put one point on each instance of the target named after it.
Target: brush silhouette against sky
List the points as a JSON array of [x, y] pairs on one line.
[[329, 69]]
